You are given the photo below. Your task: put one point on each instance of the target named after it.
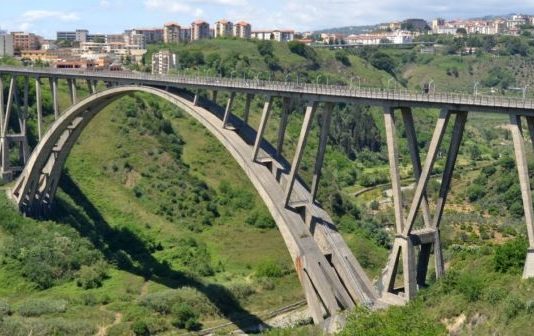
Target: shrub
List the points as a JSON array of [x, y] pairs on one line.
[[269, 269], [185, 317], [513, 305], [342, 57], [260, 220], [470, 285], [140, 328], [92, 276], [5, 309], [510, 257], [38, 307], [160, 302]]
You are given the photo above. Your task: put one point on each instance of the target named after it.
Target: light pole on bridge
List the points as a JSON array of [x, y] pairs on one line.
[[475, 88]]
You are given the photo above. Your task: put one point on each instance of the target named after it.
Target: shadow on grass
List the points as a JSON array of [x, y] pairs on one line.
[[133, 255]]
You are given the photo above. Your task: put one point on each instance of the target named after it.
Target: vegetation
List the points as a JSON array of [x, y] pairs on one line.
[[155, 224]]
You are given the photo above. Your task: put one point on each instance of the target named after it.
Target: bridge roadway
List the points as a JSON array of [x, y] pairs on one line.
[[316, 92]]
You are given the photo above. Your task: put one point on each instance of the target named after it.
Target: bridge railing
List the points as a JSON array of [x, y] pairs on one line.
[[289, 87]]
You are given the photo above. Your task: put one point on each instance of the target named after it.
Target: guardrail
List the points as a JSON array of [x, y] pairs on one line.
[[287, 87]]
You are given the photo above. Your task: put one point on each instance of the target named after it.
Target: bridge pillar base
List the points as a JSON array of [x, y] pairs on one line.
[[528, 271]]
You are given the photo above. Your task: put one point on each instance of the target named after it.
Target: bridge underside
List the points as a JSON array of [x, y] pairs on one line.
[[330, 275]]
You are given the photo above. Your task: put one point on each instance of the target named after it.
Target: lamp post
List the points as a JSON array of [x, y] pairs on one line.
[[389, 81], [525, 92], [475, 88], [430, 84]]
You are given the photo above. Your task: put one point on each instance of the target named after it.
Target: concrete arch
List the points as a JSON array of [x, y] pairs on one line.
[[329, 273]]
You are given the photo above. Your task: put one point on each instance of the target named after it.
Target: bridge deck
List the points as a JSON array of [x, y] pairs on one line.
[[317, 92]]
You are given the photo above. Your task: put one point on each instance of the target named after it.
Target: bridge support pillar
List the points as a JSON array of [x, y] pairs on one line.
[[214, 96], [286, 103], [325, 127], [228, 110], [39, 104], [263, 125], [248, 101], [415, 268], [524, 181], [6, 172], [297, 159], [196, 99], [55, 102], [72, 91]]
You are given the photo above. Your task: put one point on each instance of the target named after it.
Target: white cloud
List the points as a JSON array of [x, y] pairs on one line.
[[179, 6], [37, 15]]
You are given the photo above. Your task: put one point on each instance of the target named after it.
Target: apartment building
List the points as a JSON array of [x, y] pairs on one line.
[[25, 41], [172, 33], [115, 38], [150, 35], [223, 28], [163, 61], [200, 30], [185, 34], [242, 30]]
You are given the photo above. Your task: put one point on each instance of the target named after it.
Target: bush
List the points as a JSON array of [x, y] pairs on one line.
[[5, 309], [38, 307], [185, 317], [510, 257], [470, 285], [269, 269], [260, 220], [140, 328], [92, 276], [160, 302], [342, 57]]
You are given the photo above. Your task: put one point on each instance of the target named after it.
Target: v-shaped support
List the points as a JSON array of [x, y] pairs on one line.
[[406, 238]]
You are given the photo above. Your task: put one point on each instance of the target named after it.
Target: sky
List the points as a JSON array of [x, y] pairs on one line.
[[45, 17]]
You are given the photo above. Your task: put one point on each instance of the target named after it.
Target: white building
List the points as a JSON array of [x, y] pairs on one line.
[[171, 33], [6, 45], [163, 61], [242, 30], [275, 35]]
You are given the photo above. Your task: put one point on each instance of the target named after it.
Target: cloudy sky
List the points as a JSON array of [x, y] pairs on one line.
[[113, 16]]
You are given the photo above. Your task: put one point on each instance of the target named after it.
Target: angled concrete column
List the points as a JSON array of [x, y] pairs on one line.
[[9, 105], [228, 109], [196, 99], [24, 114], [262, 127], [283, 125], [248, 101], [39, 104], [325, 127], [304, 132], [526, 193], [411, 136], [393, 158], [2, 111], [72, 91], [437, 137], [5, 169], [452, 154]]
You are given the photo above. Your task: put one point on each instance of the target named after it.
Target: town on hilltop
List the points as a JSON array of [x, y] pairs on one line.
[[81, 49]]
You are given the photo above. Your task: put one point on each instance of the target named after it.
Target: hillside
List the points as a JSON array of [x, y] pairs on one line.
[[152, 235]]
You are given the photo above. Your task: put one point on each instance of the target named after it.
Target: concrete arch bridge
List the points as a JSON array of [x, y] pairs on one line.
[[330, 275]]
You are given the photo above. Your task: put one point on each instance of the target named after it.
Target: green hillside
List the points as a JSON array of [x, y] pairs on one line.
[[156, 230]]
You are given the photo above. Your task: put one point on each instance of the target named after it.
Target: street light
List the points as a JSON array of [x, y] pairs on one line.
[[475, 88], [525, 91]]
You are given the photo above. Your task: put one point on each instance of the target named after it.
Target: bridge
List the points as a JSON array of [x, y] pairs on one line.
[[332, 278]]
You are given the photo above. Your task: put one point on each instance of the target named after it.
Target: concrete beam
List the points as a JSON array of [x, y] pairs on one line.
[[435, 143], [228, 109], [411, 136], [393, 158], [39, 104], [526, 193], [286, 105], [55, 101], [248, 101], [304, 132], [325, 127], [72, 91], [263, 125]]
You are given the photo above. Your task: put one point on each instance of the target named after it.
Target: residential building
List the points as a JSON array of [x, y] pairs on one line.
[[150, 35], [115, 38], [6, 45], [395, 25], [82, 35], [185, 34], [223, 28], [50, 56], [200, 30], [242, 30], [25, 41], [96, 38], [171, 33], [275, 35], [163, 61], [133, 38]]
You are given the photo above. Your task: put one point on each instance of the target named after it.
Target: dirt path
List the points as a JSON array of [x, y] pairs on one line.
[[103, 330]]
